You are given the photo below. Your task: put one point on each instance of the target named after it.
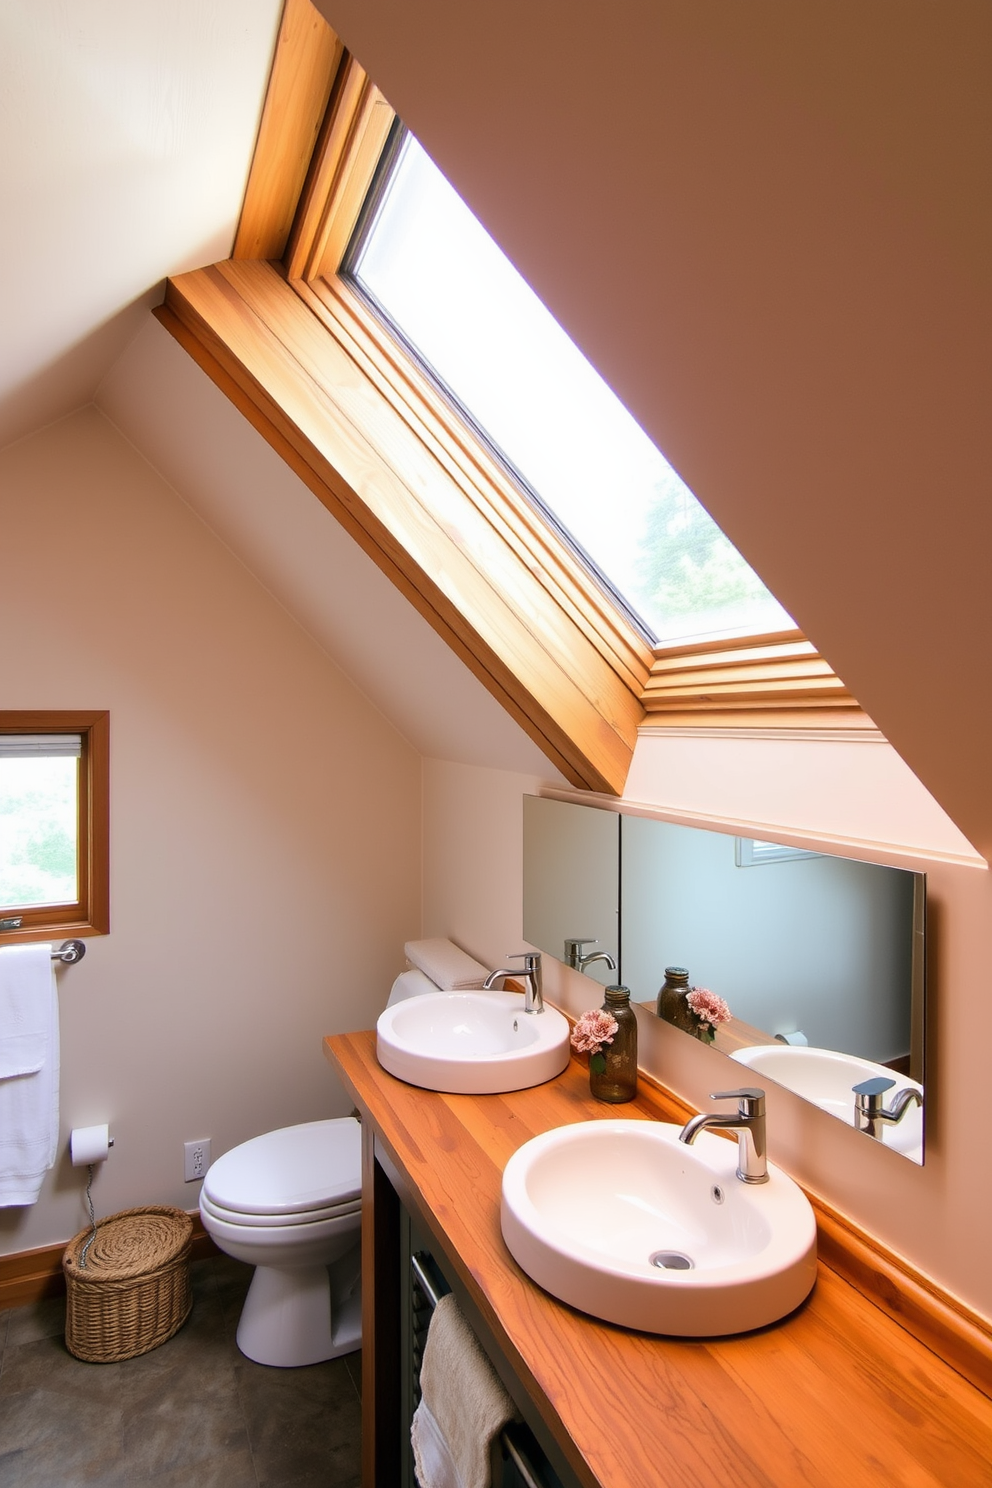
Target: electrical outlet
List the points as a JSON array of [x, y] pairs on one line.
[[196, 1159]]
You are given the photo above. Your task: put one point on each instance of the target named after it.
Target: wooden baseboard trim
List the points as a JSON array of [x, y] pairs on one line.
[[957, 1334], [32, 1275]]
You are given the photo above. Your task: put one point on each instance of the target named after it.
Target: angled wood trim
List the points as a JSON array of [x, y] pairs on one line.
[[756, 717], [767, 682], [481, 478], [355, 130], [313, 404], [306, 60], [750, 681]]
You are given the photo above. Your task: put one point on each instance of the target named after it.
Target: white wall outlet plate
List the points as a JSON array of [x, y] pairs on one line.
[[196, 1159]]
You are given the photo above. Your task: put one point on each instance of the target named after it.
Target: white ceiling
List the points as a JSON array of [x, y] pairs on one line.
[[127, 133]]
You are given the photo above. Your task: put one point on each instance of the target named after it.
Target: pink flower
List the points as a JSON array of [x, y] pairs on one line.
[[592, 1030], [707, 1006]]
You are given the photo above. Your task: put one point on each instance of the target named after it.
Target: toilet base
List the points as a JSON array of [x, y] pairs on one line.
[[288, 1318]]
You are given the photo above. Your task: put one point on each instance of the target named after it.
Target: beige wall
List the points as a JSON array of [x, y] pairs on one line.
[[265, 823], [472, 892], [769, 227]]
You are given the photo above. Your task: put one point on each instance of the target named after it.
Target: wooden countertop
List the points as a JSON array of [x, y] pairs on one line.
[[838, 1395]]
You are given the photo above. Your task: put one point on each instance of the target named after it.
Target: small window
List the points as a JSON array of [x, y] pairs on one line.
[[54, 825]]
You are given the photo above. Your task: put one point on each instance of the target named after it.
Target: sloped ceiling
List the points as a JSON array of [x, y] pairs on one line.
[[127, 132], [770, 227]]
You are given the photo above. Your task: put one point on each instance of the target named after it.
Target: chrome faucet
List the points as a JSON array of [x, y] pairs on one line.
[[870, 1115], [531, 975], [749, 1124], [575, 958]]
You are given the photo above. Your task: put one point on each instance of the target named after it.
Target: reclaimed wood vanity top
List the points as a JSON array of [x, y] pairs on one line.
[[835, 1395]]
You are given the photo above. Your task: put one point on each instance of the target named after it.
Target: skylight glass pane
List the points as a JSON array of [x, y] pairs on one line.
[[38, 829], [438, 277]]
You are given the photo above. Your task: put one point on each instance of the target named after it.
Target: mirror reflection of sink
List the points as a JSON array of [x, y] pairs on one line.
[[471, 1043], [827, 1078], [621, 1220]]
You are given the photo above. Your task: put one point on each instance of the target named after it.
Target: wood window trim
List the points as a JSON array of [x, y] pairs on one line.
[[356, 418], [90, 915], [770, 681]]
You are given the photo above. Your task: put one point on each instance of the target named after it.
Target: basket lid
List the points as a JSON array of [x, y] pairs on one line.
[[130, 1243], [290, 1171]]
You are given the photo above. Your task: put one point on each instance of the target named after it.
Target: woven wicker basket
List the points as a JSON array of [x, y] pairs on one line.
[[131, 1292]]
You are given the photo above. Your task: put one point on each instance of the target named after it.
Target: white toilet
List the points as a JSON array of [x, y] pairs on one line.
[[289, 1203]]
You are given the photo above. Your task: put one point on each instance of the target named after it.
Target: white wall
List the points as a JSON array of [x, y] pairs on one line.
[[265, 831], [931, 1215]]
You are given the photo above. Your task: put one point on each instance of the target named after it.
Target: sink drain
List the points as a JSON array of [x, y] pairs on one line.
[[670, 1260]]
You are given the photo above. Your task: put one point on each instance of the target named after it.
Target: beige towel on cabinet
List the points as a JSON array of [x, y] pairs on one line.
[[451, 968], [29, 1071], [463, 1409]]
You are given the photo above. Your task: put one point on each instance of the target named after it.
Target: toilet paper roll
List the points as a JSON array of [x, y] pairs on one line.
[[88, 1144]]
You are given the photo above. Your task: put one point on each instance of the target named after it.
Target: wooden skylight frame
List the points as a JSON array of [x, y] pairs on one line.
[[301, 353]]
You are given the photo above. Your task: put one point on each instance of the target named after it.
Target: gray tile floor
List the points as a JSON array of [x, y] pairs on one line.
[[192, 1414]]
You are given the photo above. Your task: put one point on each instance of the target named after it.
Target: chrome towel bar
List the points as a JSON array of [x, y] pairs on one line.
[[70, 951]]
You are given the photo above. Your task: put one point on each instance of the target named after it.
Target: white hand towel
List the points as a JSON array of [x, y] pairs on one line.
[[452, 969], [29, 1071], [464, 1405]]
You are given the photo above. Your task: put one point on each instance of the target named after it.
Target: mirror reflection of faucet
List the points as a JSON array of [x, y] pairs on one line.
[[531, 975], [574, 954], [870, 1115]]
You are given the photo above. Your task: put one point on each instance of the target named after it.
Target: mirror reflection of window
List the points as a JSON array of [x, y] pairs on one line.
[[751, 852]]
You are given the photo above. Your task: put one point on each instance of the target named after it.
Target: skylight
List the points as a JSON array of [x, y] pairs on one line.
[[436, 276]]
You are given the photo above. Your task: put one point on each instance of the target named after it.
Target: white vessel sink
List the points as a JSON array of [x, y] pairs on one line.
[[622, 1220], [827, 1078], [472, 1043]]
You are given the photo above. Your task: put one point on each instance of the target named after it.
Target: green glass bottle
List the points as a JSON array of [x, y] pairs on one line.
[[613, 1071], [672, 1005]]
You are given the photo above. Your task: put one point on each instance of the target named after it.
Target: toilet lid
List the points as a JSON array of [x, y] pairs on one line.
[[290, 1171]]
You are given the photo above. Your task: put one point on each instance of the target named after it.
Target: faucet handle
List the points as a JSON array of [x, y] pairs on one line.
[[875, 1085], [531, 959], [750, 1099]]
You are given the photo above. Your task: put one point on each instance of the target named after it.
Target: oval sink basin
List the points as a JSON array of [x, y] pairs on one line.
[[622, 1220], [471, 1043], [826, 1077]]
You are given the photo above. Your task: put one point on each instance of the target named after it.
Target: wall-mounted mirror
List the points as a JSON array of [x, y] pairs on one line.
[[572, 884], [820, 959]]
